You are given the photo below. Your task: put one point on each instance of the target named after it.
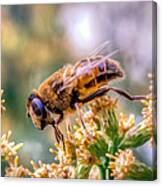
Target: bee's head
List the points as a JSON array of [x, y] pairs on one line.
[[36, 109], [114, 70]]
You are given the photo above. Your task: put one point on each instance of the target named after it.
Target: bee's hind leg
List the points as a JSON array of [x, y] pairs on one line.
[[127, 95], [103, 90]]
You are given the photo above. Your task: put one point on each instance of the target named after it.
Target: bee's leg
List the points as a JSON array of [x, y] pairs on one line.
[[98, 93], [56, 134], [104, 90], [60, 112], [82, 121], [59, 135], [80, 116], [127, 95], [60, 118]]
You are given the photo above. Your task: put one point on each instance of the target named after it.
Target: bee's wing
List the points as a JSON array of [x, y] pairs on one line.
[[78, 69], [87, 67], [95, 52], [99, 49], [105, 57]]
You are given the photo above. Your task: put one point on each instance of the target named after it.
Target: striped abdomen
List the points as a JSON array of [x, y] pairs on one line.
[[98, 73]]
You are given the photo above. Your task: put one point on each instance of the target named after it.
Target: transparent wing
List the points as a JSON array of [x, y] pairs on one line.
[[86, 65], [100, 48], [87, 68]]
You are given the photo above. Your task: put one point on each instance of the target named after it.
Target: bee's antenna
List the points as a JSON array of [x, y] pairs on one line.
[[100, 48]]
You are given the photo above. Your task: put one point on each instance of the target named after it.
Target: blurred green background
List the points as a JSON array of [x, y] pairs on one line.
[[39, 39]]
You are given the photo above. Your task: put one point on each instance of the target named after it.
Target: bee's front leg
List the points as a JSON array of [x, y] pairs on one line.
[[59, 136], [60, 112]]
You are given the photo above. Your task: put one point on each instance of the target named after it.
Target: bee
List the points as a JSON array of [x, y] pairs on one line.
[[67, 89]]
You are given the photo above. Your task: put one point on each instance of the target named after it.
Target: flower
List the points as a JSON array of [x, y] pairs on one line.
[[148, 110], [126, 122], [125, 166], [95, 173], [136, 135], [99, 104], [42, 170], [9, 149], [121, 164], [9, 152], [16, 170]]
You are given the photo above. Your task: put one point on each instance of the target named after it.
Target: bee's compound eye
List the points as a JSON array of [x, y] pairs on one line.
[[38, 107], [101, 67]]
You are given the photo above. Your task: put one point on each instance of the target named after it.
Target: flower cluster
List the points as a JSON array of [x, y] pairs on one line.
[[9, 149], [15, 169], [121, 164], [125, 166], [104, 149], [9, 153], [149, 109], [42, 170]]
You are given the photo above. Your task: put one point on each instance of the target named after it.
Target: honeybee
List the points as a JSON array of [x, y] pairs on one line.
[[67, 89]]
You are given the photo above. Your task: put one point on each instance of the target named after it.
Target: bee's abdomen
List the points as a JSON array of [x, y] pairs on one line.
[[99, 75], [98, 80], [95, 77]]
